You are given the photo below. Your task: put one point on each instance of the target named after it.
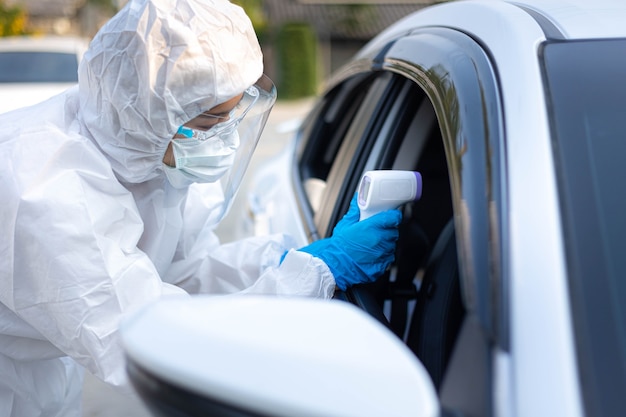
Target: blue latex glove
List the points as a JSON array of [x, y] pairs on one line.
[[359, 252], [351, 217]]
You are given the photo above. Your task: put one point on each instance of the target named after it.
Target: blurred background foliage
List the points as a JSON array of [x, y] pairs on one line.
[[111, 6], [297, 61], [254, 10], [296, 66], [13, 20], [302, 42]]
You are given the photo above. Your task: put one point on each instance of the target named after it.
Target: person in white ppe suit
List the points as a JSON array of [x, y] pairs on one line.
[[112, 188]]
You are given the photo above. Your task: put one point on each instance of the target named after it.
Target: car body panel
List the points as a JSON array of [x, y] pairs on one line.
[[217, 359], [15, 96], [580, 19], [540, 332], [541, 336], [530, 191]]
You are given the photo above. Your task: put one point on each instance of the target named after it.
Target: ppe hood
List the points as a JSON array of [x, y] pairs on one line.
[[154, 66]]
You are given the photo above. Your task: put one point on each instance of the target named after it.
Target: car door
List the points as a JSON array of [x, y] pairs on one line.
[[427, 102]]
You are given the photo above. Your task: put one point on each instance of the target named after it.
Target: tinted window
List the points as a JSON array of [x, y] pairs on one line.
[[329, 138], [327, 127], [588, 114], [323, 133], [33, 67]]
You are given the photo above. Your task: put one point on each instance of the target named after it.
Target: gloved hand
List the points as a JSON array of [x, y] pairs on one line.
[[359, 252], [351, 217]]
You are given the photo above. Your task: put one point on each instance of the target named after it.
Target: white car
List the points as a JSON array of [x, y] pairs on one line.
[[33, 68], [506, 297]]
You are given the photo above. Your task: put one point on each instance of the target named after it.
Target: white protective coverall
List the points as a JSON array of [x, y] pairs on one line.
[[91, 229]]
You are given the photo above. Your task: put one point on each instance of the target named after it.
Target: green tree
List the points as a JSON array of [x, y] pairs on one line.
[[254, 10], [107, 5], [13, 20], [297, 61]]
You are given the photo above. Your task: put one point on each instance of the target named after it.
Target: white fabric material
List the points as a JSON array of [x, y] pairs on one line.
[[201, 161], [157, 65], [91, 229]]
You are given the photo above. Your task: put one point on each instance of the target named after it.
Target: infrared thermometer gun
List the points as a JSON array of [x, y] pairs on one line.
[[388, 189]]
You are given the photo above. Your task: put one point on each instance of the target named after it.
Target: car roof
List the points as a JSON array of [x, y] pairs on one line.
[[511, 30], [584, 19], [564, 19], [74, 45]]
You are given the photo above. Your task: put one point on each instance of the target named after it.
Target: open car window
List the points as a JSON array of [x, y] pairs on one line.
[[334, 127], [443, 121]]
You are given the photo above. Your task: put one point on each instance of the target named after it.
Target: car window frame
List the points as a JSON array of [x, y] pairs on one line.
[[466, 78], [323, 128], [459, 79], [462, 83]]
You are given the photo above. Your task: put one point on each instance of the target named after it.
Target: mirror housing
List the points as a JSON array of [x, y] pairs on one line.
[[271, 356]]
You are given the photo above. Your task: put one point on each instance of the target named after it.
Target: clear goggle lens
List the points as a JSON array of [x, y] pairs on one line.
[[230, 121]]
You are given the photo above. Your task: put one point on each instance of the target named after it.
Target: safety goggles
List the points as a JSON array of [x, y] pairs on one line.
[[225, 123]]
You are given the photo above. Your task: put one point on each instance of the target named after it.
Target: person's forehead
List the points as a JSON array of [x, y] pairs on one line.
[[225, 107], [207, 119]]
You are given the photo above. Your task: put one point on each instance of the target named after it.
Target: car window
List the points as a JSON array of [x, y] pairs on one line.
[[326, 127], [414, 143], [403, 127], [442, 117], [337, 122], [404, 134], [587, 97], [38, 67]]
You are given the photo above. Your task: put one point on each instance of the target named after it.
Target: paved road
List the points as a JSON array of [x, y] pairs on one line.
[[101, 400]]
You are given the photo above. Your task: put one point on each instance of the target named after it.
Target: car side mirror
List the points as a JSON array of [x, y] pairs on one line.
[[271, 356]]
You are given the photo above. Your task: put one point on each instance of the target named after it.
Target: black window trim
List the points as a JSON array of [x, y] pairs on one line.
[[463, 88], [451, 92]]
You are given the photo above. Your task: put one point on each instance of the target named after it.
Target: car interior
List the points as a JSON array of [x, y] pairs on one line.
[[419, 298]]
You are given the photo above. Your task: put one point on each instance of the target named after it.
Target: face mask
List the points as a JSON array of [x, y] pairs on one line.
[[221, 154], [202, 161]]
